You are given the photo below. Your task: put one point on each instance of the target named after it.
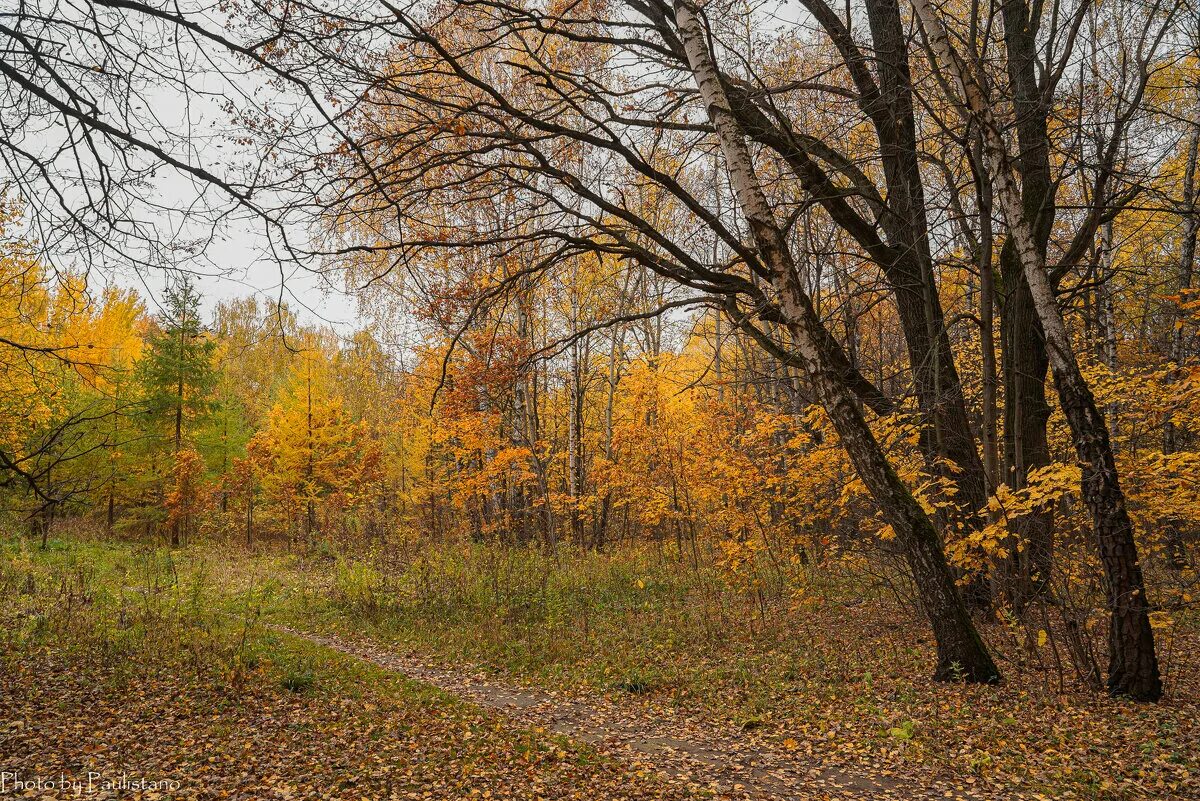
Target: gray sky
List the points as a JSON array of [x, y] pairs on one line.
[[126, 207], [239, 265]]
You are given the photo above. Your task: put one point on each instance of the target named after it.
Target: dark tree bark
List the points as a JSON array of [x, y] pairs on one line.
[[1133, 664], [1173, 436], [961, 652], [1024, 362], [949, 434]]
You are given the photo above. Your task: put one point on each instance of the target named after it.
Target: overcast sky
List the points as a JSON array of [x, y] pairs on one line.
[[124, 215], [238, 261], [239, 264]]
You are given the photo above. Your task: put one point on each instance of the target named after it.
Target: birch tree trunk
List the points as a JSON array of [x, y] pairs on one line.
[[1024, 363], [960, 650], [1133, 664], [1106, 316]]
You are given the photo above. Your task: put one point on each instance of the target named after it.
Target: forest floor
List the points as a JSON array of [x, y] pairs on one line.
[[116, 681], [396, 693], [682, 749]]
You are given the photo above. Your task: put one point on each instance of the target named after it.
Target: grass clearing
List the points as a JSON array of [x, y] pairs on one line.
[[839, 678], [835, 678], [120, 666]]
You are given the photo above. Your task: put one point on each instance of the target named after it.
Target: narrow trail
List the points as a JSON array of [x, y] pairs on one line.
[[682, 749]]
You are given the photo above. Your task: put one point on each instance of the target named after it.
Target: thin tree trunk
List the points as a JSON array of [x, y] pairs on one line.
[[310, 517], [175, 525], [987, 323], [1177, 555], [250, 516], [1106, 315], [1024, 362]]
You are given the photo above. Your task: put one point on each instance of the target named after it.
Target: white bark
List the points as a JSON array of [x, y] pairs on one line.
[[1133, 665], [958, 641]]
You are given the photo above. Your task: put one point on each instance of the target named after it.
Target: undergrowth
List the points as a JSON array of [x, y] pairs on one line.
[[825, 662]]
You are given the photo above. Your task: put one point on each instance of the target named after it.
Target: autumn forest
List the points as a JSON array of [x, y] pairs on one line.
[[739, 400]]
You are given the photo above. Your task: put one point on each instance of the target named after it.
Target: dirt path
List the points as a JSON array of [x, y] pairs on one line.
[[662, 740]]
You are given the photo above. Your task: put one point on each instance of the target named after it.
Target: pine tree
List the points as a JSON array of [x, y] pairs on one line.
[[177, 379]]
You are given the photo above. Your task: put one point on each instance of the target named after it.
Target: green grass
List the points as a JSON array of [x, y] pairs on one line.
[[839, 668], [123, 603], [637, 621], [129, 621]]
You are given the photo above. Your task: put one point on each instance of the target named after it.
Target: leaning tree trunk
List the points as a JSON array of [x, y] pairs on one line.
[[950, 447], [947, 441], [961, 652], [1133, 665]]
